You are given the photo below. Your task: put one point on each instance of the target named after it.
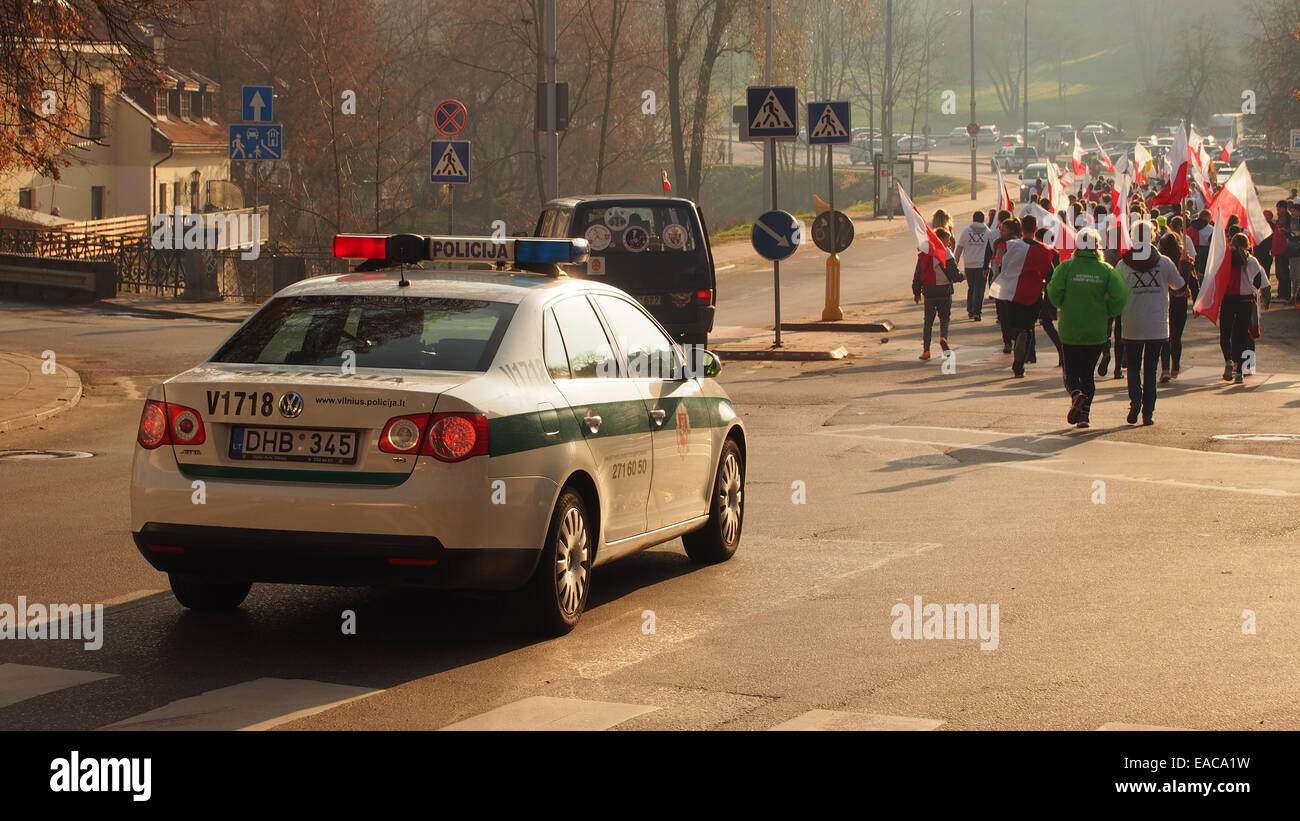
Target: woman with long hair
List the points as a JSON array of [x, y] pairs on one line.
[[1171, 353], [1237, 313]]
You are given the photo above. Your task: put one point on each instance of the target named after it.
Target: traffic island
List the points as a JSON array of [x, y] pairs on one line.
[[34, 389], [878, 327]]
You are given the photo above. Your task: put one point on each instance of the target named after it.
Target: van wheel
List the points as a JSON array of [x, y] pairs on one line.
[[205, 594], [718, 539], [557, 594]]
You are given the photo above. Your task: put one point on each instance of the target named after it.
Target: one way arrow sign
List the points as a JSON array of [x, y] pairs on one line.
[[259, 105]]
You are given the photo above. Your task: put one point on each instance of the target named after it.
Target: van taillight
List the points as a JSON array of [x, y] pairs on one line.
[[705, 295]]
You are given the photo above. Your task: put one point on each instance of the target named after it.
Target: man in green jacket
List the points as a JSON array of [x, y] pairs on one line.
[[1088, 293]]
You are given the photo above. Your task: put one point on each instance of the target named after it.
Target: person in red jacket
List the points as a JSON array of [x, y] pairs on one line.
[[933, 279], [1026, 265], [1281, 253]]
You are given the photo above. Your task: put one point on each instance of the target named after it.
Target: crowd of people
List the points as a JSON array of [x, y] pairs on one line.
[[1124, 310]]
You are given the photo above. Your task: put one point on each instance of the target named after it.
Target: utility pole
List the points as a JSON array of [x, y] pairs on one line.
[[974, 137], [769, 145], [1026, 131], [552, 105], [887, 127]]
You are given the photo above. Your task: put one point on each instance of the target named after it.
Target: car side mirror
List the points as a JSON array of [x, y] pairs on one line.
[[710, 364]]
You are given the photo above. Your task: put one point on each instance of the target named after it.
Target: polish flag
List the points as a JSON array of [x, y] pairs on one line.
[[1144, 161], [1218, 276], [1101, 153], [1025, 267], [1004, 193], [1176, 189], [1076, 158], [1226, 154], [1058, 198], [927, 242], [1060, 234], [1119, 207], [667, 186], [1238, 196]]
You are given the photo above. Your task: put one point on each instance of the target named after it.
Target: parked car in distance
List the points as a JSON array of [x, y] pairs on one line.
[[989, 134], [958, 136], [1014, 158]]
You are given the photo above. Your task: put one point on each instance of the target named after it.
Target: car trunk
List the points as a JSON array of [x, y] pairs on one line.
[[304, 424]]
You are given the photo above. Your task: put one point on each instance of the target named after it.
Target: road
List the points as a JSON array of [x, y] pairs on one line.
[[1127, 565]]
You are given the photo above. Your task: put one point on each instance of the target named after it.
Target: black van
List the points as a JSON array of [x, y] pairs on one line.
[[654, 247]]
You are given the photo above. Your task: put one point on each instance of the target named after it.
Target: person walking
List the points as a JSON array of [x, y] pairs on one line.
[[1010, 231], [971, 246], [1280, 249], [1087, 293], [933, 279], [1171, 353], [1026, 265], [1237, 312], [1047, 314], [1150, 276]]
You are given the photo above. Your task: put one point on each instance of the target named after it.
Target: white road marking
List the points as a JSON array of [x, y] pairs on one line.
[[250, 705], [840, 720], [19, 682], [548, 713], [1119, 725]]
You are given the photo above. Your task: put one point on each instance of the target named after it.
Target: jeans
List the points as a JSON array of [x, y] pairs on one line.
[[1235, 316], [974, 291], [941, 305], [1142, 360], [1283, 266], [1080, 362], [1173, 349]]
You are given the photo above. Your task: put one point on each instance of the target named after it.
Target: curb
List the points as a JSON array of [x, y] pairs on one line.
[[781, 355], [881, 327], [67, 398], [162, 313]]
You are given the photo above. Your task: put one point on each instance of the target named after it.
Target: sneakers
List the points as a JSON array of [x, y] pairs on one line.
[[1077, 400], [976, 319], [1083, 422], [1006, 347], [924, 355], [1133, 411], [1237, 378], [1147, 420], [1104, 365], [943, 343], [1174, 372], [1164, 377], [1227, 371]]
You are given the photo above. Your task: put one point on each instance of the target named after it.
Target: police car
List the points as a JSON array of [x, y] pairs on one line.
[[493, 426]]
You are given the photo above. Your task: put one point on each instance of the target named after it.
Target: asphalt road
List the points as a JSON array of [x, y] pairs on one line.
[[872, 481]]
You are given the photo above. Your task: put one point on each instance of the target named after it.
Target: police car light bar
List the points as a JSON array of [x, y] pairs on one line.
[[412, 248]]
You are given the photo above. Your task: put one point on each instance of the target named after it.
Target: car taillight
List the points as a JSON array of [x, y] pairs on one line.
[[456, 436], [163, 423], [402, 434], [153, 425], [705, 295]]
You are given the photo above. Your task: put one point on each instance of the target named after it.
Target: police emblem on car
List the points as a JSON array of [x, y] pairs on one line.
[[503, 429]]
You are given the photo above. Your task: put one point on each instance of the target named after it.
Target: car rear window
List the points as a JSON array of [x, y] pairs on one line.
[[643, 229], [412, 333]]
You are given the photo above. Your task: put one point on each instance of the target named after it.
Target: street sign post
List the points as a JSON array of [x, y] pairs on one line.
[[829, 125], [772, 114], [253, 141], [450, 118], [258, 104]]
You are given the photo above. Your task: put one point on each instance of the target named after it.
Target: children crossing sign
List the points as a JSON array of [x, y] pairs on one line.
[[771, 111], [828, 123], [449, 161]]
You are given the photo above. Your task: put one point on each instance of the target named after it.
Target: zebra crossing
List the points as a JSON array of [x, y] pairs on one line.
[[264, 703]]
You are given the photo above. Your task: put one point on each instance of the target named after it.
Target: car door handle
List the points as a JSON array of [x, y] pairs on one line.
[[592, 421], [658, 415]]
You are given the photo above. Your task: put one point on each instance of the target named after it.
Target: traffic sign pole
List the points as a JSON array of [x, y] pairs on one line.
[[776, 263], [832, 310]]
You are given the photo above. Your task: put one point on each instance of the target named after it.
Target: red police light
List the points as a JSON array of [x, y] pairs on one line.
[[361, 246]]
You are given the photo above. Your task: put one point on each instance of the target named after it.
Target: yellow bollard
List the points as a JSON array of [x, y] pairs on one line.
[[832, 310]]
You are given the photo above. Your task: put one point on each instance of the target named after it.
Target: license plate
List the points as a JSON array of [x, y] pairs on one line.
[[330, 447], [650, 299]]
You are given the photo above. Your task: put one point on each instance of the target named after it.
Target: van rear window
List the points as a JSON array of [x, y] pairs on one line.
[[650, 229]]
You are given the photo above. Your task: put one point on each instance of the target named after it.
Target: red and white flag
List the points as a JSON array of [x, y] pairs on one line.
[[1102, 155], [1060, 236], [1226, 154], [1238, 196], [1176, 189], [1119, 207], [1058, 197], [667, 186], [927, 242], [1076, 158], [1004, 193], [1218, 276], [1144, 163], [1024, 268]]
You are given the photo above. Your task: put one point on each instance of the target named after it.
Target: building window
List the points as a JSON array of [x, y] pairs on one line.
[[96, 112], [162, 198], [185, 105], [176, 193], [160, 103], [196, 104], [174, 102], [97, 202], [196, 205], [27, 198]]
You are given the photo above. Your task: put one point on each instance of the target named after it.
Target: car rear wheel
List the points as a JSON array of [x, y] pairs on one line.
[[718, 539], [557, 594], [205, 594]]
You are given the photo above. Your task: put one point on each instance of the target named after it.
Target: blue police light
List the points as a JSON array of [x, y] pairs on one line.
[[550, 251]]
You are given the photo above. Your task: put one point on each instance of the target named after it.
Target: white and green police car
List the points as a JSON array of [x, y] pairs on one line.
[[491, 426]]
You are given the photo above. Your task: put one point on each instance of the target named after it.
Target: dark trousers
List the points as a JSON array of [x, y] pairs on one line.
[[974, 291], [1142, 360], [1007, 336], [1045, 319], [1173, 349], [1235, 316], [1283, 276], [1021, 319], [1080, 363], [942, 306], [1116, 328]]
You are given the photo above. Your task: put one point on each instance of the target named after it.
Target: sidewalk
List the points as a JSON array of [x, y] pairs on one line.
[[167, 308], [28, 396]]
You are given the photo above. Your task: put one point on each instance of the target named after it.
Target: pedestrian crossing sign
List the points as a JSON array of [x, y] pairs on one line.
[[771, 111], [828, 123], [449, 161]]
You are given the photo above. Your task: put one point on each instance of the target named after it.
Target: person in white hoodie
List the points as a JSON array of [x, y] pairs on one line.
[[972, 245], [1151, 277]]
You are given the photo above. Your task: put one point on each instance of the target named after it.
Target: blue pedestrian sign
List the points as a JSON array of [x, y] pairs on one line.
[[776, 235], [828, 123], [449, 161], [258, 104], [771, 111], [257, 142]]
